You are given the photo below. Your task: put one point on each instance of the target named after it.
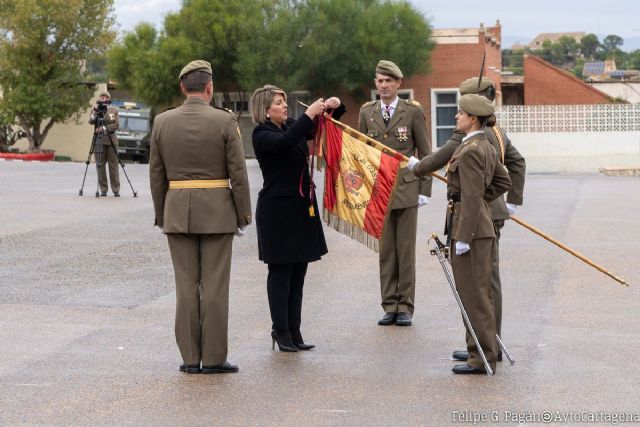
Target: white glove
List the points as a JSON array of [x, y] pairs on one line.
[[462, 247], [240, 232], [412, 162], [422, 200], [511, 208]]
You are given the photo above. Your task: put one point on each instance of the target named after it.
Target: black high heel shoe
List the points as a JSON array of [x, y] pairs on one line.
[[296, 337], [283, 340]]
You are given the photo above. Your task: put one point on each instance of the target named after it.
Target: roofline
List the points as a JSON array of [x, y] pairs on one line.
[[568, 74]]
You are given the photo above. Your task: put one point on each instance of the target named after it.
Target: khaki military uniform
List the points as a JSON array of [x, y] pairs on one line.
[[516, 166], [475, 177], [200, 191], [406, 133], [104, 152]]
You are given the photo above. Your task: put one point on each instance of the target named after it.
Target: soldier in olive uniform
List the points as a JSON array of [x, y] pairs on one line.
[[400, 125], [200, 191], [475, 178], [106, 145], [509, 156]]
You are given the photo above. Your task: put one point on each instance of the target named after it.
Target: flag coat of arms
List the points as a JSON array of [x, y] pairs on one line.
[[359, 184]]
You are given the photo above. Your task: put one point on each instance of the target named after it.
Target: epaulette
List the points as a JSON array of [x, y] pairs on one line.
[[223, 109], [413, 102], [368, 104]]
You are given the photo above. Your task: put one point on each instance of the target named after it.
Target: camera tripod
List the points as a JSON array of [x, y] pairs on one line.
[[99, 153]]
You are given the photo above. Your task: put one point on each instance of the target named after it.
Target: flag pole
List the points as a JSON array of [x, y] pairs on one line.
[[380, 146]]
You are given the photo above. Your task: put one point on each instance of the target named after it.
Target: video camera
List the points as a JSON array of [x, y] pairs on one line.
[[102, 107]]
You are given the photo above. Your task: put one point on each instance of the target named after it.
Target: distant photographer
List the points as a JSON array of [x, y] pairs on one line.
[[105, 119]]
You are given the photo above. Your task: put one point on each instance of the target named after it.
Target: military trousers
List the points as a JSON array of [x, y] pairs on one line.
[[105, 154], [202, 266], [496, 285], [398, 261], [472, 274]]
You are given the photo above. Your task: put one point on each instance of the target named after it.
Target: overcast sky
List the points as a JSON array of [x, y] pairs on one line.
[[520, 19]]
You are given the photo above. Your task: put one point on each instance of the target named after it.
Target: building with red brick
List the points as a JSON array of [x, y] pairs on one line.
[[457, 56]]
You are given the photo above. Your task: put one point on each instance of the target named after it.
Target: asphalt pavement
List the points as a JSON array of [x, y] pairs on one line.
[[87, 303]]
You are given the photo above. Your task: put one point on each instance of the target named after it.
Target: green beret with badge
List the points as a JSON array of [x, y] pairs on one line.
[[198, 65], [476, 105], [388, 68], [471, 85]]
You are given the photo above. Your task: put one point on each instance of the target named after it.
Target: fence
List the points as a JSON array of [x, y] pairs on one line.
[[569, 118]]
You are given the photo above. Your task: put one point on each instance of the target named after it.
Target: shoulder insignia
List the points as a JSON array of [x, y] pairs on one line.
[[223, 109], [368, 104], [413, 102]]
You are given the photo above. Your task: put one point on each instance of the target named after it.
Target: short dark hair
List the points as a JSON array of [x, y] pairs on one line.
[[196, 81]]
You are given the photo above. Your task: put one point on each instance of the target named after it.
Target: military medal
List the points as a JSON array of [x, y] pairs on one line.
[[402, 133], [385, 115]]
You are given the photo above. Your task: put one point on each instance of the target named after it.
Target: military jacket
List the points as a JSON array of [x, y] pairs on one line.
[[198, 142], [407, 134], [507, 155], [475, 177], [112, 123]]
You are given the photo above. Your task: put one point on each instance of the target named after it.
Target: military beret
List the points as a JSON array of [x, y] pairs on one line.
[[471, 85], [105, 93], [199, 65], [388, 68], [476, 105]]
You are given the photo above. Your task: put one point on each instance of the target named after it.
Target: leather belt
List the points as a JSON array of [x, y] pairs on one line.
[[199, 183]]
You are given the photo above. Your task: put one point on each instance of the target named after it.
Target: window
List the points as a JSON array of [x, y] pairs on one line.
[[238, 102], [443, 114]]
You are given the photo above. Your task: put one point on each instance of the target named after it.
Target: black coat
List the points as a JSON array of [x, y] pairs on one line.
[[286, 231]]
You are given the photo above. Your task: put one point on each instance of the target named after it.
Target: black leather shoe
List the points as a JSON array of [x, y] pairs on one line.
[[103, 194], [190, 369], [116, 194], [388, 319], [298, 341], [463, 356], [466, 369], [404, 319], [284, 341], [223, 368], [460, 355]]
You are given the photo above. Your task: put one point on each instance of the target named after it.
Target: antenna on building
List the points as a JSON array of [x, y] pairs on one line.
[[484, 56]]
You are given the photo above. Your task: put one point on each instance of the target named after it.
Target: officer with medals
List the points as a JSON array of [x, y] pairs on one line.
[[400, 125], [200, 191], [475, 178], [500, 210], [106, 144]]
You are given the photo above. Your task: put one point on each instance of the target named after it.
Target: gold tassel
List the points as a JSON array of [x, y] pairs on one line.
[[350, 230], [312, 211]]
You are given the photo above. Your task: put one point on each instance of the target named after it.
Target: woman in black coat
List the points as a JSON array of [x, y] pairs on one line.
[[287, 218]]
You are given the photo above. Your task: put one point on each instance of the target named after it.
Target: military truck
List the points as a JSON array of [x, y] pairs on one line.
[[133, 135]]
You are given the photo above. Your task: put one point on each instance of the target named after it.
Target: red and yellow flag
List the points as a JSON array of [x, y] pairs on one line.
[[359, 183]]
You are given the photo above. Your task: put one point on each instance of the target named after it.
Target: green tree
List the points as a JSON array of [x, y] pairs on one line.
[[43, 46], [305, 44], [589, 45], [612, 43]]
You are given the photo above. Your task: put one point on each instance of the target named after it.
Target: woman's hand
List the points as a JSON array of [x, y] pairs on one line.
[[332, 103], [316, 108]]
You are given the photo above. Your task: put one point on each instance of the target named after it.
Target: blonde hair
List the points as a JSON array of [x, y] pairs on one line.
[[261, 101]]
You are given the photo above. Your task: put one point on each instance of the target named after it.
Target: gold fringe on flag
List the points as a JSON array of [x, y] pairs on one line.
[[350, 230]]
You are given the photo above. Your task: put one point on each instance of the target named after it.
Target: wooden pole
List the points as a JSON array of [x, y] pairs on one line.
[[380, 146]]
